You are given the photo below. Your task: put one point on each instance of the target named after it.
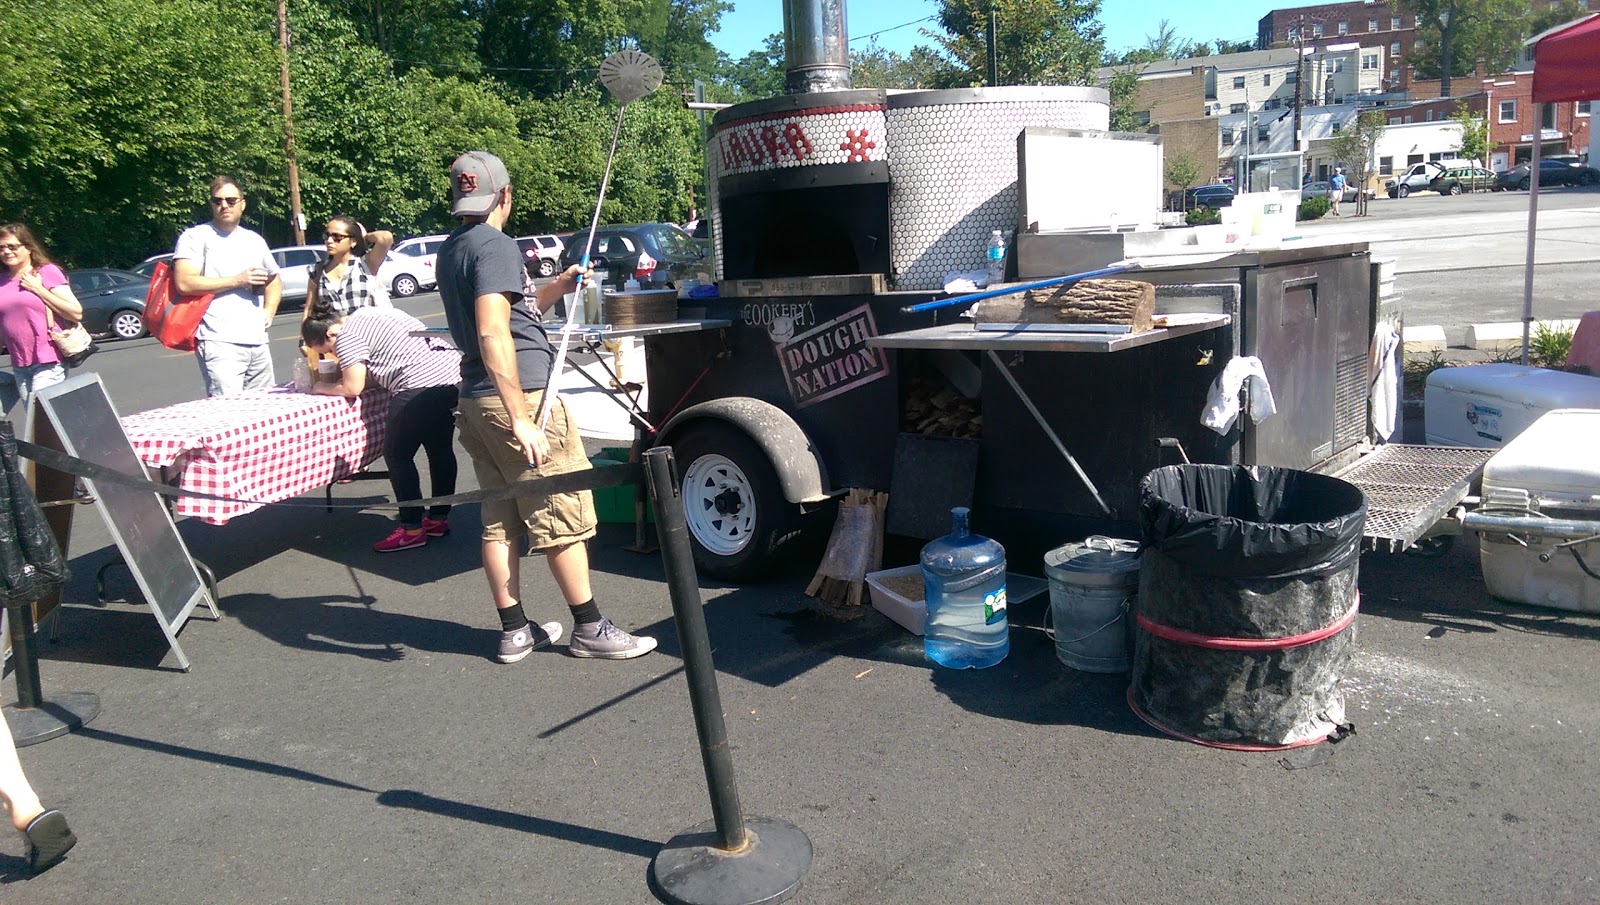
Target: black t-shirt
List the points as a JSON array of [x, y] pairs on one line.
[[477, 260]]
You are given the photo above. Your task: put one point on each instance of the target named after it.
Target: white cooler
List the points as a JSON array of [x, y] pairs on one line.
[[1552, 469], [1487, 405]]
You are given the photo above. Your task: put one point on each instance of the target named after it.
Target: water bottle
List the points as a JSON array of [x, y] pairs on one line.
[[997, 258], [964, 575]]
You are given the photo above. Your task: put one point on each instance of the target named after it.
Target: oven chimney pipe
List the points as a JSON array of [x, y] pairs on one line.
[[816, 47]]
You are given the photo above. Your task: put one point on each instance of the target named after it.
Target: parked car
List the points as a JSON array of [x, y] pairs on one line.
[[1418, 176], [658, 255], [1456, 180], [541, 254], [113, 301], [147, 267], [1208, 196], [424, 248], [700, 231], [1551, 172], [406, 275], [294, 269], [1320, 189]]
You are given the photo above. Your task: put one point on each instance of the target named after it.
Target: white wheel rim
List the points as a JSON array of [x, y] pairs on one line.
[[128, 326], [709, 480]]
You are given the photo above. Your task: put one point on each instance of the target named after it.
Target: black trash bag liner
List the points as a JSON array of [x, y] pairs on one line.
[[1255, 554], [1251, 520], [31, 565], [1261, 699]]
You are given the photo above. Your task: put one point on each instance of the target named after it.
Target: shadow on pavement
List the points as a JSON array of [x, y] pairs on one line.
[[346, 624], [522, 823]]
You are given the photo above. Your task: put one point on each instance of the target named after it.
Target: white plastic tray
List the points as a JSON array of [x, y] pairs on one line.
[[911, 614]]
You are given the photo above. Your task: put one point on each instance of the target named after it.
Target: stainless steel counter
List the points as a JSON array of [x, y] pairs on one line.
[[965, 336]]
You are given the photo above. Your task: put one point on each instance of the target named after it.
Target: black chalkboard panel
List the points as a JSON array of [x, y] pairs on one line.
[[87, 427]]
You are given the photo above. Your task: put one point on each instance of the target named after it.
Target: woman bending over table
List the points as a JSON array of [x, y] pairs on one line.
[[33, 294], [348, 278], [375, 346]]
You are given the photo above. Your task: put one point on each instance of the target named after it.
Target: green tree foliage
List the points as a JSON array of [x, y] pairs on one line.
[[756, 75], [1124, 88], [1474, 133], [428, 32], [1355, 148], [879, 68], [1038, 42], [1558, 13], [1452, 35]]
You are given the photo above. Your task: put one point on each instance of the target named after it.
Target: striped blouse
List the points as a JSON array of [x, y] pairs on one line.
[[381, 339]]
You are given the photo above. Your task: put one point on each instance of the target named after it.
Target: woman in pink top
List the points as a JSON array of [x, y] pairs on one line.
[[30, 284]]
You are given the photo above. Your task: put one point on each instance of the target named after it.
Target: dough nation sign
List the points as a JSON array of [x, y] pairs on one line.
[[832, 358]]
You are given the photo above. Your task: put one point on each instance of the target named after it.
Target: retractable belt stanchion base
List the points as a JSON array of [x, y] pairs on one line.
[[733, 859], [33, 718]]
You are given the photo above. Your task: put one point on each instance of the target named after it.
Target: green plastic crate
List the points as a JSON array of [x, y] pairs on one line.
[[614, 505]]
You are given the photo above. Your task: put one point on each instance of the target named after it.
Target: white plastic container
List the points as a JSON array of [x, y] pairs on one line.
[[1550, 469], [1485, 406], [912, 615]]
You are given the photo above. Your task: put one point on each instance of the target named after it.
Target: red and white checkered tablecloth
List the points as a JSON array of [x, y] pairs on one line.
[[265, 446]]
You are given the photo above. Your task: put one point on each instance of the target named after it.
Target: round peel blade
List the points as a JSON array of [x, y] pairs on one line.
[[630, 75]]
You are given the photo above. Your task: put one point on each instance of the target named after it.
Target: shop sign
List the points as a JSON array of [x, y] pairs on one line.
[[833, 358]]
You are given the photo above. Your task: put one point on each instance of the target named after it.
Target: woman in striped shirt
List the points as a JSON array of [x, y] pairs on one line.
[[345, 280], [375, 346]]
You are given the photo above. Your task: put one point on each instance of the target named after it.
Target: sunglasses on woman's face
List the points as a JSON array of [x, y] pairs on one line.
[[335, 237]]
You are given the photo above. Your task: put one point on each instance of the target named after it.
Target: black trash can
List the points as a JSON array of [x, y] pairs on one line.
[[1247, 604]]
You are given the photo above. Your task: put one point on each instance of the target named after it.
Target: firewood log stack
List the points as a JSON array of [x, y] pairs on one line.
[[854, 549], [937, 409], [1130, 302]]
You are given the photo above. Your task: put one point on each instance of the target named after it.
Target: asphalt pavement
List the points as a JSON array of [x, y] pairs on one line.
[[345, 735]]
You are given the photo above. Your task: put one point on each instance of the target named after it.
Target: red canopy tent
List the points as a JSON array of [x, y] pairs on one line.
[[1564, 70]]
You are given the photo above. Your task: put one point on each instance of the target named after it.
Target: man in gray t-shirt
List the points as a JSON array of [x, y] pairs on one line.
[[234, 265], [505, 362]]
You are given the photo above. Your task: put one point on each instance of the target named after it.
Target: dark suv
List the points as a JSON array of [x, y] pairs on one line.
[[1209, 196], [658, 255]]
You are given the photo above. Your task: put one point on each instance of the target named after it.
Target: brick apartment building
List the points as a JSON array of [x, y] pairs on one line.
[[1565, 128], [1372, 25]]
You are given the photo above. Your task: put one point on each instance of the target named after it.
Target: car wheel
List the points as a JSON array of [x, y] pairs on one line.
[[546, 267], [1455, 188], [1523, 185], [126, 324], [1589, 178], [405, 285], [1402, 191], [736, 513]]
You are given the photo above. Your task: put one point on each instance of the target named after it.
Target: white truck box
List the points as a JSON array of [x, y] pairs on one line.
[[1551, 469], [1485, 406]]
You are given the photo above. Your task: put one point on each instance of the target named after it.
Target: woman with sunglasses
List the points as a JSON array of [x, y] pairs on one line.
[[346, 280], [33, 293]]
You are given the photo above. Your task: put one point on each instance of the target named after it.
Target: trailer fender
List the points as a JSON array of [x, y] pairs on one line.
[[802, 474]]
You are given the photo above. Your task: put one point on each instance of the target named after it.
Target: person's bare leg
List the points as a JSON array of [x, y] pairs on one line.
[[502, 566], [21, 800], [569, 566]]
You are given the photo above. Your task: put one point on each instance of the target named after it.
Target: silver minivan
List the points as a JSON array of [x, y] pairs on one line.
[[1417, 177]]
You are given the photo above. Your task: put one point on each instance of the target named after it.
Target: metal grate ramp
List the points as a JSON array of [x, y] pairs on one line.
[[1409, 488]]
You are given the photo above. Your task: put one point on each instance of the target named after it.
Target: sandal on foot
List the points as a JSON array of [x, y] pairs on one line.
[[49, 839]]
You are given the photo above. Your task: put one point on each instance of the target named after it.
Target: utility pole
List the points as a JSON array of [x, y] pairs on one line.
[[1299, 58], [994, 56], [296, 219]]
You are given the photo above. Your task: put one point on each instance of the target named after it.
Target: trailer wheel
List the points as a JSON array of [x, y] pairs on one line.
[[736, 513]]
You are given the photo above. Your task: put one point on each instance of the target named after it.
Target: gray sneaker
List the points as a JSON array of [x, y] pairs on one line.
[[604, 641], [515, 645]]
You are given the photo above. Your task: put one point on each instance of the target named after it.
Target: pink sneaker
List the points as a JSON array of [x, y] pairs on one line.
[[399, 539], [435, 527]]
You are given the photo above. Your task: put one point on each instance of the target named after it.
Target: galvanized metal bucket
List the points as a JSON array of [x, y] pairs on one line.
[[1093, 589]]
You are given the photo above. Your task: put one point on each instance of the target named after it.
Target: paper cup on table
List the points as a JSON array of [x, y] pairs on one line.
[[327, 370]]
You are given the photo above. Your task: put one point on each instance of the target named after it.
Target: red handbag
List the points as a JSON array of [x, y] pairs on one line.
[[171, 317]]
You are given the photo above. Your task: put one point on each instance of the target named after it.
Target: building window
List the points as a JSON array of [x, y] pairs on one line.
[[1582, 109], [1272, 103], [1436, 155], [1263, 133], [1316, 30], [1372, 25], [1293, 33], [1394, 49], [1394, 23], [1338, 66], [1369, 62], [1508, 111], [1238, 81], [1142, 117], [1266, 80], [1291, 78], [1413, 159], [1547, 118], [1336, 127], [1236, 108], [1344, 28], [1408, 118], [1385, 166], [1227, 136], [1394, 120]]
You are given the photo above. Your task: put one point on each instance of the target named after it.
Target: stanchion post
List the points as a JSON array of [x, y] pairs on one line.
[[33, 719], [746, 860]]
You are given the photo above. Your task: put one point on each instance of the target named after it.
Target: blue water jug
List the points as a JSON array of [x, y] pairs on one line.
[[964, 575]]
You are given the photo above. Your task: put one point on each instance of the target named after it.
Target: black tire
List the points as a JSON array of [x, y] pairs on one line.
[[405, 285], [1402, 190], [1523, 185], [1455, 188], [547, 267], [126, 324], [738, 518]]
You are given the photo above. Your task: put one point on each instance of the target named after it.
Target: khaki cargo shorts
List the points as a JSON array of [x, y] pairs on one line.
[[549, 520]]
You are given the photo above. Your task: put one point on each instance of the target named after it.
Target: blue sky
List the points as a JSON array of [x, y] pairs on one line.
[[1126, 21]]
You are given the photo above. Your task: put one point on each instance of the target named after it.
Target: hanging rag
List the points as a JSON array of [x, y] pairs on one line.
[[1384, 373], [1222, 403]]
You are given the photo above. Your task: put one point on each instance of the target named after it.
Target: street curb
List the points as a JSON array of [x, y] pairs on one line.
[[1494, 337]]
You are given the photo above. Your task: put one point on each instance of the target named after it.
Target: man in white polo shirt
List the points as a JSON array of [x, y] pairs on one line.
[[234, 264]]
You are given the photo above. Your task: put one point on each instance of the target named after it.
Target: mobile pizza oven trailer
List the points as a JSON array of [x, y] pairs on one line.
[[834, 209]]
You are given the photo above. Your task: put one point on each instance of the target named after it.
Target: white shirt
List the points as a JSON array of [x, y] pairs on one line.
[[235, 315]]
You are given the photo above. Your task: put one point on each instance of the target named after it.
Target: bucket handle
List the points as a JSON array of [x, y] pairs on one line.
[[1122, 610]]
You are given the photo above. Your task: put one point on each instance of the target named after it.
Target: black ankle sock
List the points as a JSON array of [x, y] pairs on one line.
[[512, 618], [586, 613]]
